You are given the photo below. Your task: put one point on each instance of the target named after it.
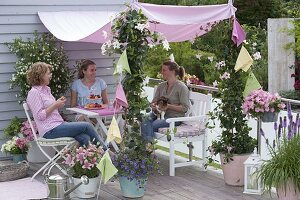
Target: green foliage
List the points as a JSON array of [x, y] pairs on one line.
[[256, 12], [234, 138], [13, 128], [291, 9], [43, 48], [184, 55]]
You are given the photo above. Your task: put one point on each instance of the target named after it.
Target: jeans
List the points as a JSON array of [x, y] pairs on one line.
[[83, 132], [151, 125]]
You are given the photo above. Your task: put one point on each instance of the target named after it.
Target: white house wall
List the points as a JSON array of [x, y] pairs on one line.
[[18, 18]]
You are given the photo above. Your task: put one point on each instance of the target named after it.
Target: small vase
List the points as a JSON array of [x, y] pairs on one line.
[[131, 188], [270, 117], [86, 191], [18, 157]]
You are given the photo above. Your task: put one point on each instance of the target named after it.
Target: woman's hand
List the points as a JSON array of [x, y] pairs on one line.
[[60, 103], [153, 106]]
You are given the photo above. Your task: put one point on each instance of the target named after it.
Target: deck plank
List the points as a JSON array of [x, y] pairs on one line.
[[190, 183]]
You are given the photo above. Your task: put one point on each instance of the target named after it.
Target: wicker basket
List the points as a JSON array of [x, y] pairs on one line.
[[13, 171]]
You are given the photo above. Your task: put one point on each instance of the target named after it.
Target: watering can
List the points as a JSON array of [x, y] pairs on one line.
[[58, 186]]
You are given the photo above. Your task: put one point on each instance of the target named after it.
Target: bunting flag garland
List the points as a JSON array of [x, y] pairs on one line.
[[122, 64], [238, 34], [251, 84], [244, 60], [114, 132], [121, 97], [106, 167]]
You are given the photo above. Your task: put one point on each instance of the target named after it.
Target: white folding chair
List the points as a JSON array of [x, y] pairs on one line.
[[63, 143], [191, 130]]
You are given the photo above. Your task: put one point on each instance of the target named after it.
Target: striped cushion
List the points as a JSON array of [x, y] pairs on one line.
[[185, 130]]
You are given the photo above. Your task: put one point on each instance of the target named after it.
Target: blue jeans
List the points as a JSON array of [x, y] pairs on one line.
[[83, 132], [151, 125]]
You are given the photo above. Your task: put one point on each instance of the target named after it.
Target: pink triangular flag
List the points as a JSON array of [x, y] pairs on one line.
[[238, 34], [120, 96]]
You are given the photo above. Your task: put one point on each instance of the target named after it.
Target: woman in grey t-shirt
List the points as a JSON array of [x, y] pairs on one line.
[[177, 94]]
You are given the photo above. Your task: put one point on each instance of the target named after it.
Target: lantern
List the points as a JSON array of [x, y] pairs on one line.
[[252, 184]]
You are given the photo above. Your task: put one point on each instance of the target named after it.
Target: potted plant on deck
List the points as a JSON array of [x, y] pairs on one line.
[[83, 161], [130, 33], [234, 143], [17, 147], [135, 164], [282, 169]]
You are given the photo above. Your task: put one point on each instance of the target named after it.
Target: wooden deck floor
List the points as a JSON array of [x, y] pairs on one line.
[[189, 183]]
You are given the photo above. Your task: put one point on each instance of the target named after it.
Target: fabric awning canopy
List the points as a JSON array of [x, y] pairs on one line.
[[177, 23]]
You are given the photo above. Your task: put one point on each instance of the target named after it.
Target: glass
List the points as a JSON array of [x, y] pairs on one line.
[[110, 103], [82, 101]]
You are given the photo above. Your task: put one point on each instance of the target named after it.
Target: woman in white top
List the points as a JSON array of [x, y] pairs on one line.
[[87, 84]]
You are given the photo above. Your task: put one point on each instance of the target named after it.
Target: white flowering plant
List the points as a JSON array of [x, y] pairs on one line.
[[130, 31], [42, 48], [234, 137], [16, 145]]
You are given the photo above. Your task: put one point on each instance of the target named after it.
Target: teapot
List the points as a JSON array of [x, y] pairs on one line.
[[58, 186]]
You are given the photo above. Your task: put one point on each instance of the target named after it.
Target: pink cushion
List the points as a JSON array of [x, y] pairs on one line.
[[185, 130]]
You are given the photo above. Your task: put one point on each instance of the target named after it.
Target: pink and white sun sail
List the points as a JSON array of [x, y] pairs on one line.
[[177, 23]]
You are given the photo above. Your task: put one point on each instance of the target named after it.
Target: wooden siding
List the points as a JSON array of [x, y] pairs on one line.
[[19, 18], [280, 58]]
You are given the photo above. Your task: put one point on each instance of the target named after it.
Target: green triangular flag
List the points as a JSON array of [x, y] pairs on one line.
[[122, 64], [251, 84], [106, 167]]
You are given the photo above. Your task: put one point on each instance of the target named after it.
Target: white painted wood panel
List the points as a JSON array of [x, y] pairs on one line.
[[280, 58]]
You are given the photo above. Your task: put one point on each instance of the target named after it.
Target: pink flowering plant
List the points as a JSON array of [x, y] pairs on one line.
[[259, 101], [83, 160], [16, 145], [26, 130]]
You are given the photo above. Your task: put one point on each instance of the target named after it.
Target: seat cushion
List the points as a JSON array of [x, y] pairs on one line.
[[185, 130], [56, 141]]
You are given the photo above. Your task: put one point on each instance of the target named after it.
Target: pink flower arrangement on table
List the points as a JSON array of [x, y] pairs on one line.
[[26, 130], [83, 160], [259, 101]]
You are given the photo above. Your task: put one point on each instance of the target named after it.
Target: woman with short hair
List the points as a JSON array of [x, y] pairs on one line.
[[44, 109]]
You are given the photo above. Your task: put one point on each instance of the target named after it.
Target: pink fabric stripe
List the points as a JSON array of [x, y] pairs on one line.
[[105, 112]]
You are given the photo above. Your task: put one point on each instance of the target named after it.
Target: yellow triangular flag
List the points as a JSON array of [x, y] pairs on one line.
[[106, 167], [244, 60], [122, 64], [251, 84], [114, 132]]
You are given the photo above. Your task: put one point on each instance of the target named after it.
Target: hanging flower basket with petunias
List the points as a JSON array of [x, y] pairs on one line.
[[260, 102]]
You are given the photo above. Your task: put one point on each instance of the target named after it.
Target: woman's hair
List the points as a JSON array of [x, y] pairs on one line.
[[84, 66], [36, 73], [173, 66]]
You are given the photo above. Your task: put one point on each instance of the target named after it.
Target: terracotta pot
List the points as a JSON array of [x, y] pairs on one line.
[[288, 193], [233, 171]]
